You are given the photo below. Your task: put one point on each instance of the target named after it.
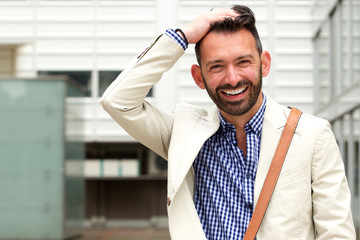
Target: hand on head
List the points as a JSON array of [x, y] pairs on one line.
[[199, 27]]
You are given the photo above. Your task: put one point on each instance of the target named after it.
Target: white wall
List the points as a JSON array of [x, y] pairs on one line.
[[104, 35]]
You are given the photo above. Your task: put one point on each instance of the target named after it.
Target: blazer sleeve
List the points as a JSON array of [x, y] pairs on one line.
[[330, 192], [125, 100]]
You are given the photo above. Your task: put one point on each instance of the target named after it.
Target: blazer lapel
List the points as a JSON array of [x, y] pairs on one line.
[[274, 122], [189, 136], [187, 140]]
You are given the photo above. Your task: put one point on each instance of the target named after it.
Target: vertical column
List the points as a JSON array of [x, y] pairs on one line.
[[331, 57], [341, 138], [316, 72], [165, 92], [95, 72], [350, 42], [356, 198], [35, 6], [271, 36], [351, 159]]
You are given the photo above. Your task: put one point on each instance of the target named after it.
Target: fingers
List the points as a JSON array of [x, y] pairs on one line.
[[198, 28], [223, 13], [219, 15]]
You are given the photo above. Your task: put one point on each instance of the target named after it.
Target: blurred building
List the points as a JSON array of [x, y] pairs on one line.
[[336, 39], [41, 180], [91, 41]]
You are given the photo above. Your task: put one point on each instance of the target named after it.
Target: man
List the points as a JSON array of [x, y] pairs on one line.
[[218, 160]]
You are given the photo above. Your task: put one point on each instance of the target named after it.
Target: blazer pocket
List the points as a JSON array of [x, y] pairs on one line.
[[292, 175]]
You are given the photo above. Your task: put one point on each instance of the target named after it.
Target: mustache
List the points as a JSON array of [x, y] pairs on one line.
[[240, 84]]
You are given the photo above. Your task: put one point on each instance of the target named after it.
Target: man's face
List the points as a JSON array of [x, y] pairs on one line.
[[231, 71]]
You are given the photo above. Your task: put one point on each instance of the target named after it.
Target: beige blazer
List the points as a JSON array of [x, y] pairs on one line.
[[311, 199]]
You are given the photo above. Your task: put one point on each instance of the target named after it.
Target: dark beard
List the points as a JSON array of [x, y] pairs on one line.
[[241, 107]]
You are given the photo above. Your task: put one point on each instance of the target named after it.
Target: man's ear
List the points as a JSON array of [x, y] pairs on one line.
[[197, 76], [265, 63]]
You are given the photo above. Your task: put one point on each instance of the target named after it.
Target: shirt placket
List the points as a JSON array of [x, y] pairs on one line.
[[252, 149], [238, 161]]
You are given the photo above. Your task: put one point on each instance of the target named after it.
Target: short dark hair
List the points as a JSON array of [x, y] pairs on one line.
[[245, 20]]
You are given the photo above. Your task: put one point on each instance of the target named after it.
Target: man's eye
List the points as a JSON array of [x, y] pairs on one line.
[[216, 67], [244, 62]]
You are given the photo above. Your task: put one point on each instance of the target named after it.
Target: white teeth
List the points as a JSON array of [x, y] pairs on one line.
[[235, 92]]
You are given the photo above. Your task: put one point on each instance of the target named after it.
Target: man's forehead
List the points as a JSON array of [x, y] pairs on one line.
[[241, 40], [216, 38]]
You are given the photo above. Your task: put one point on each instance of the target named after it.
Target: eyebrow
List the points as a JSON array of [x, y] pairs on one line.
[[245, 56], [237, 59], [211, 62]]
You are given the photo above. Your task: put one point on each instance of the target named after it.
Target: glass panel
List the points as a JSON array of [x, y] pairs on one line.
[[74, 187], [31, 146], [81, 80], [38, 200]]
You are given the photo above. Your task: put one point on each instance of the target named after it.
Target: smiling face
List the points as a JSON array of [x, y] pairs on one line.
[[231, 71]]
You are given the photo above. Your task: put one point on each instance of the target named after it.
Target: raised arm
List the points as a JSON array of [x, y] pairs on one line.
[[125, 100]]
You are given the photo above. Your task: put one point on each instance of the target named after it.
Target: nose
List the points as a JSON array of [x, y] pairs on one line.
[[233, 76]]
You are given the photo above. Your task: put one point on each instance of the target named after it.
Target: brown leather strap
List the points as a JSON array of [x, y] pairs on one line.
[[273, 174]]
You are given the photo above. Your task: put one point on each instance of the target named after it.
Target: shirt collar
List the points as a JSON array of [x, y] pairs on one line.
[[255, 123]]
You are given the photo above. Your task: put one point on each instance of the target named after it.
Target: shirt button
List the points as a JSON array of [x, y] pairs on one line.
[[247, 175]]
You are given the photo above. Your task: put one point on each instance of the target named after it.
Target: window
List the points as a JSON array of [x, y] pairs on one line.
[[81, 80], [107, 77]]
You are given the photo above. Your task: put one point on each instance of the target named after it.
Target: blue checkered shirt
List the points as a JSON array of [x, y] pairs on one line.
[[225, 178]]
